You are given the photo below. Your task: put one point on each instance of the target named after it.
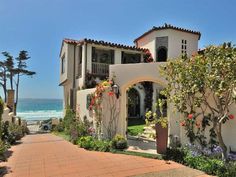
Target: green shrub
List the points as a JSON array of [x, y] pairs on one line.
[[16, 130], [12, 132], [25, 130], [175, 154], [212, 166], [119, 142], [103, 146], [69, 120], [86, 142], [77, 130], [3, 147], [89, 143], [59, 127]]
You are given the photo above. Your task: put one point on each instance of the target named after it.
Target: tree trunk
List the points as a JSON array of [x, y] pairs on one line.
[[221, 141], [11, 81], [17, 92]]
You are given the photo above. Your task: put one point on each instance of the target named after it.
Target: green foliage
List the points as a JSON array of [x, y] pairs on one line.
[[89, 143], [86, 142], [192, 81], [3, 147], [1, 108], [12, 132], [211, 166], [135, 130], [175, 154], [63, 135], [69, 120], [59, 128], [16, 131], [25, 130], [1, 112], [203, 163], [160, 118], [119, 142]]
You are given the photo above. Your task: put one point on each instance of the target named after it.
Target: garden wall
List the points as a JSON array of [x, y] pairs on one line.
[[228, 129], [82, 107]]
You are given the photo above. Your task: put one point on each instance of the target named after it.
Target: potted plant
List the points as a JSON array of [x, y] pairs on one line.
[[160, 121]]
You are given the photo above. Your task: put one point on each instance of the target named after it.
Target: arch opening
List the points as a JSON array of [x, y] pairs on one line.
[[161, 54]]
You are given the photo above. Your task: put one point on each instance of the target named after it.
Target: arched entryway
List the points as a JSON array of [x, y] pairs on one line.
[[161, 54]]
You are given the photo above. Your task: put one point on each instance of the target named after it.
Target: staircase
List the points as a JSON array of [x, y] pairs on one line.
[[149, 132]]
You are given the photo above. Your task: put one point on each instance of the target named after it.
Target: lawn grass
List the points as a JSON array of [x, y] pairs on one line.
[[135, 126], [140, 154], [63, 135]]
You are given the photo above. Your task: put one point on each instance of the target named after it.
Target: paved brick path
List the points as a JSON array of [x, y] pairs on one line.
[[46, 155]]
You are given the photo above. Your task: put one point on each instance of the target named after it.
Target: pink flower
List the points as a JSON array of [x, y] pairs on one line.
[[231, 116], [190, 116], [183, 123], [110, 93]]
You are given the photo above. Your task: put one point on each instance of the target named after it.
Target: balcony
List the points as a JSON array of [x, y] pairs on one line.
[[100, 69]]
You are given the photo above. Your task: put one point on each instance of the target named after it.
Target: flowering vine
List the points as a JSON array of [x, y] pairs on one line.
[[96, 105], [148, 57]]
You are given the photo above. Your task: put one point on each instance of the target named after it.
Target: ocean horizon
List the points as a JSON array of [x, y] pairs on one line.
[[39, 108]]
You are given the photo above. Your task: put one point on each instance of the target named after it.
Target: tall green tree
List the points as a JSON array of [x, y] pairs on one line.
[[21, 70], [203, 86], [9, 64]]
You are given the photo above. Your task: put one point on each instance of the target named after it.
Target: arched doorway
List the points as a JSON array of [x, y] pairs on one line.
[[161, 54], [133, 103]]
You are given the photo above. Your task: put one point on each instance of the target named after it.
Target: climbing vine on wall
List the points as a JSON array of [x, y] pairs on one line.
[[147, 57]]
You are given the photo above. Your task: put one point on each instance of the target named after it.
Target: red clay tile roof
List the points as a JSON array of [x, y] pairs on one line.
[[168, 26], [110, 44]]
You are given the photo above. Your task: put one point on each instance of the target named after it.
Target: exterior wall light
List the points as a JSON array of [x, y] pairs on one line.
[[115, 89]]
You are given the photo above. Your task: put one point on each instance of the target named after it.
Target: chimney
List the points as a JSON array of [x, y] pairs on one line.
[[10, 99]]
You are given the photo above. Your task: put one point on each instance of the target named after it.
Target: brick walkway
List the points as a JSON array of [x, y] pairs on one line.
[[46, 155]]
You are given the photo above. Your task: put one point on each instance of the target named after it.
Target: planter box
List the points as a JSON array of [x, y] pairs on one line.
[[161, 139]]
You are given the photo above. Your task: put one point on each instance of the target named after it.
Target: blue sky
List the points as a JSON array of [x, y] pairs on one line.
[[39, 26]]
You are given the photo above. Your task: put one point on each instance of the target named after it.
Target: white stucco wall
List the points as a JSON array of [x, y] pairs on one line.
[[81, 107], [129, 74], [7, 115], [174, 42], [63, 76], [228, 129]]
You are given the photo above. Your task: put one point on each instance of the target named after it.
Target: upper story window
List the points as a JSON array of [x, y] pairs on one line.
[[79, 68], [80, 54], [184, 48], [63, 63], [130, 58], [102, 56], [161, 54]]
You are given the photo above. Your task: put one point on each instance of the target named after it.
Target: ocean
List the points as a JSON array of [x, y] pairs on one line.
[[39, 109]]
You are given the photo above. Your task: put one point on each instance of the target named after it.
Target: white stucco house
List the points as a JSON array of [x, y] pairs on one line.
[[85, 62]]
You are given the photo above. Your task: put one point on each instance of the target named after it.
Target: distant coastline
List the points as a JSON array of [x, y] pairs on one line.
[[39, 108]]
